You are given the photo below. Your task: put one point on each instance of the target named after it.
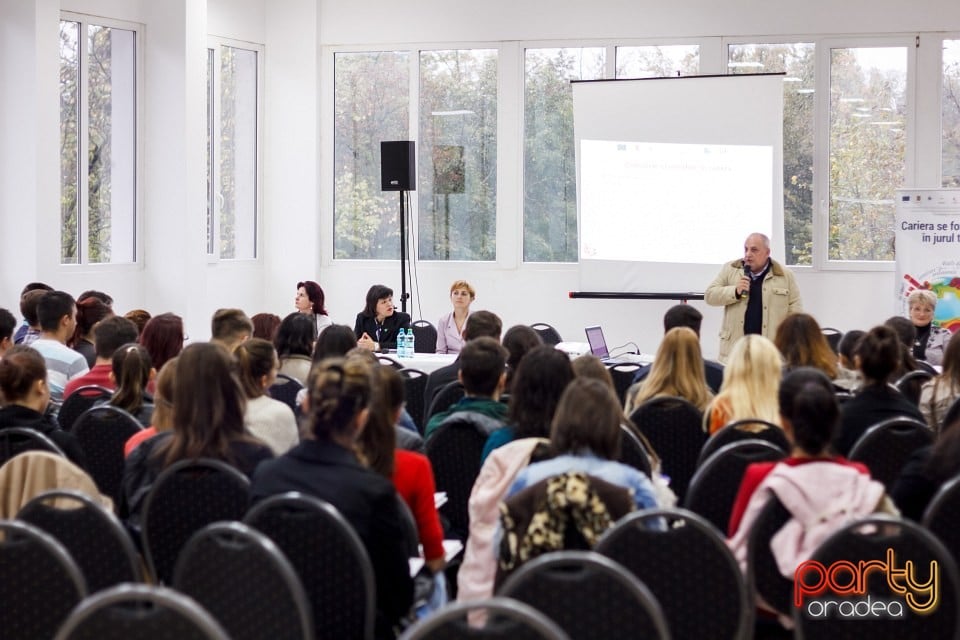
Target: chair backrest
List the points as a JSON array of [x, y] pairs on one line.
[[142, 612], [886, 541], [16, 440], [886, 446], [186, 497], [674, 428], [454, 450], [102, 433], [447, 396], [285, 389], [387, 361], [633, 453], [547, 333], [588, 596], [78, 402], [409, 525], [92, 535], [329, 559], [942, 516], [833, 336], [713, 488], [414, 385], [505, 619], [425, 336], [244, 581], [911, 382], [688, 568], [39, 582], [763, 574], [622, 374], [744, 430]]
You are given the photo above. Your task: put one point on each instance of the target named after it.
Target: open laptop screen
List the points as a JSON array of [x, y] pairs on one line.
[[598, 345]]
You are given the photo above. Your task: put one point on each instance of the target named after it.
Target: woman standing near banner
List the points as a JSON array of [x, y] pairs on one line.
[[931, 340]]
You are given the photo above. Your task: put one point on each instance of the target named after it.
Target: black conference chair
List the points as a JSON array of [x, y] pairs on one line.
[[93, 536], [886, 446], [387, 361], [589, 596], [285, 389], [142, 612], [688, 568], [910, 384], [713, 488], [740, 430], [547, 333], [763, 574], [16, 440], [833, 336], [448, 395], [414, 385], [39, 582], [244, 581], [942, 516], [425, 336], [186, 497], [674, 428], [506, 619], [454, 450], [633, 453], [329, 559], [102, 433], [622, 374], [79, 401]]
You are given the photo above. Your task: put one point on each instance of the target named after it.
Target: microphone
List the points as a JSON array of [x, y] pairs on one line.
[[746, 274]]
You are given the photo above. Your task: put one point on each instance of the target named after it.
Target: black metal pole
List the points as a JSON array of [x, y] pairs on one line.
[[403, 256]]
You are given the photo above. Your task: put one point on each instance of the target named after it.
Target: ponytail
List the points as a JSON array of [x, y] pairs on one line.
[[339, 390], [131, 369], [255, 359]]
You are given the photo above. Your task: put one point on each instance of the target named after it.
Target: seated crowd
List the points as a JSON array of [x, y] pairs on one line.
[[554, 429]]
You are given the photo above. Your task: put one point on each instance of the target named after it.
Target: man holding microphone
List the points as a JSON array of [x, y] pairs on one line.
[[756, 294]]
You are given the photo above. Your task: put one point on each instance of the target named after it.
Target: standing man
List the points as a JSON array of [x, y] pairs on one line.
[[756, 294]]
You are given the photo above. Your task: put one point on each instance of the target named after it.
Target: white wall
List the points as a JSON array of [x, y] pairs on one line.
[[297, 144]]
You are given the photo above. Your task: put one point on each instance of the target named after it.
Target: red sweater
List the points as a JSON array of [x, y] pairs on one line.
[[755, 474], [99, 376], [413, 478]]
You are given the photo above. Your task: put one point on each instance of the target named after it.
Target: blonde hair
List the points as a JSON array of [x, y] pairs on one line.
[[751, 380], [463, 284], [676, 371], [924, 296]]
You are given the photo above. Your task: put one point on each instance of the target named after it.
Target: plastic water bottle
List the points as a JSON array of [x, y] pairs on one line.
[[401, 343], [411, 343]]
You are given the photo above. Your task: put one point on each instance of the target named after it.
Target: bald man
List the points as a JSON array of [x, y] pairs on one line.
[[756, 293]]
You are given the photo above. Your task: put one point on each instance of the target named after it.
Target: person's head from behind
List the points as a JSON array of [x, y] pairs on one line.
[[682, 315], [230, 327], [29, 302], [677, 370], [379, 302], [139, 317], [296, 336], [878, 354], [808, 409], [265, 325], [310, 298], [482, 324], [802, 344], [35, 286], [57, 313], [905, 330], [90, 311], [131, 370], [163, 337], [518, 340], [847, 346], [338, 399], [753, 360], [111, 333], [23, 378], [587, 419], [335, 341], [105, 298], [483, 367], [8, 324], [163, 397], [257, 366], [590, 366], [542, 376], [378, 440]]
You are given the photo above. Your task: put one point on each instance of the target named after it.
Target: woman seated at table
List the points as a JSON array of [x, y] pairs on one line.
[[450, 326], [379, 322]]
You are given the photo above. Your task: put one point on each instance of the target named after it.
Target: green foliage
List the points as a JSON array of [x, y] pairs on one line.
[[951, 114]]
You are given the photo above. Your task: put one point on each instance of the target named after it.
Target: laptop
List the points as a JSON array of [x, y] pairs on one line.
[[598, 347]]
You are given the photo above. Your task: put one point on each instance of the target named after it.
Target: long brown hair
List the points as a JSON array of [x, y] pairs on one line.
[[132, 366], [378, 440], [802, 344], [256, 358]]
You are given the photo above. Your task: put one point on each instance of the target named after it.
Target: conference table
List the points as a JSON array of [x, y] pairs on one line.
[[426, 362]]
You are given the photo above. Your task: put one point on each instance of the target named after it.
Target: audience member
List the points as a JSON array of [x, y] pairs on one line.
[[542, 376], [878, 355], [229, 328], [163, 408], [324, 465], [479, 324], [26, 394], [105, 298], [801, 342], [7, 326], [132, 370], [109, 335], [677, 370], [90, 311], [518, 340], [58, 320], [926, 471], [265, 326], [311, 302], [907, 334], [295, 341], [939, 393], [269, 420], [139, 317], [30, 325], [451, 325], [379, 323], [683, 315], [336, 340], [750, 382], [482, 374], [163, 337], [931, 341], [848, 375]]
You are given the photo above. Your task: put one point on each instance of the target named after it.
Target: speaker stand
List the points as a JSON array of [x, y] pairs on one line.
[[403, 253]]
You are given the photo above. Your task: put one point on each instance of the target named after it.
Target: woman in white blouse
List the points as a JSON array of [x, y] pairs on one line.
[[451, 325]]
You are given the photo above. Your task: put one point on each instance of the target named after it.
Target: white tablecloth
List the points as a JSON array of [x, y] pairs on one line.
[[426, 362]]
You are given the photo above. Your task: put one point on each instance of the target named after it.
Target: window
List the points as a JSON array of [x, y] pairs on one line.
[[98, 142], [867, 145], [950, 116], [798, 62], [458, 155], [232, 151], [653, 61], [372, 104]]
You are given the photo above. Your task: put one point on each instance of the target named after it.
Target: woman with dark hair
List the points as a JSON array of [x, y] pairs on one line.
[[269, 420], [265, 326], [377, 325], [518, 341], [802, 344], [294, 342], [337, 340], [848, 376], [132, 370], [938, 394], [163, 337], [310, 301], [542, 376], [90, 311], [207, 423], [878, 355], [324, 465], [24, 389]]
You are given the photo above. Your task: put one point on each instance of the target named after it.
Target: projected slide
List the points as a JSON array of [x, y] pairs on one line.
[[670, 202]]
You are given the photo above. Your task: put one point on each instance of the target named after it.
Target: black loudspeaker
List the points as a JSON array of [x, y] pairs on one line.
[[398, 166]]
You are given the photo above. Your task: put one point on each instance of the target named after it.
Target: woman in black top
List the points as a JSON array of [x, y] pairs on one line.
[[377, 325]]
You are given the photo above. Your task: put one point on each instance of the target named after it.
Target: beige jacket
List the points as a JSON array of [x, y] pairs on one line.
[[29, 474], [781, 297]]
